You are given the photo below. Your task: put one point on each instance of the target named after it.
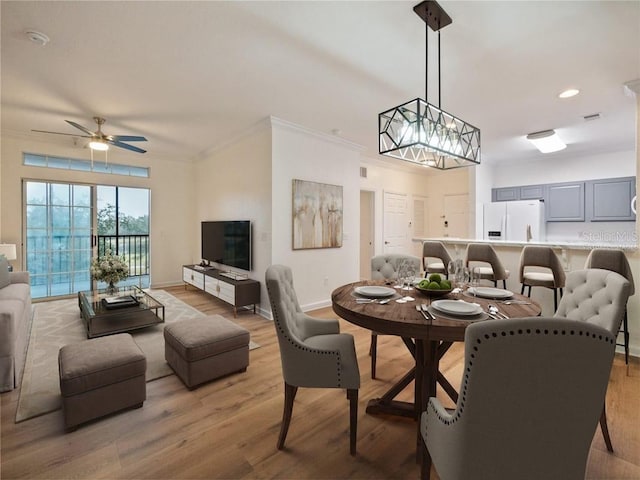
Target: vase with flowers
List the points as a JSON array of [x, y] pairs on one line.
[[110, 269]]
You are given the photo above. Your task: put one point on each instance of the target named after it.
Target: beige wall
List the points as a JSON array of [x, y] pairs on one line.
[[234, 183], [172, 199], [299, 153]]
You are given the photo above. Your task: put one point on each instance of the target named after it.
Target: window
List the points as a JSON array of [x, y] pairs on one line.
[[48, 161]]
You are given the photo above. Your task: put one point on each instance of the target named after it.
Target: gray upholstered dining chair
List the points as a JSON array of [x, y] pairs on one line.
[[313, 352], [598, 297], [537, 256], [615, 261], [385, 267], [485, 253], [432, 249], [529, 402]]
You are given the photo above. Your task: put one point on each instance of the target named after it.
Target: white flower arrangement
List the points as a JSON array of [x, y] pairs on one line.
[[109, 268]]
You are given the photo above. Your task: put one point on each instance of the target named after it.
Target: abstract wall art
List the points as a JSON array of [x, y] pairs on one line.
[[317, 215]]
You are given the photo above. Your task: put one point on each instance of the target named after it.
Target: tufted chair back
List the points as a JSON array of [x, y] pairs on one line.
[[595, 296], [614, 260], [385, 267], [313, 352], [308, 360], [529, 402]]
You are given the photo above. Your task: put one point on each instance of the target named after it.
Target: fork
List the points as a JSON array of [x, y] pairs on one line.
[[493, 309]]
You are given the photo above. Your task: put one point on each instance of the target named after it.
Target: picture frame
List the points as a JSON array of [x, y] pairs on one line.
[[317, 215]]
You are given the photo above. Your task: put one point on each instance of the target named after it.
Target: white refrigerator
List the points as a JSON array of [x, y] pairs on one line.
[[520, 221]]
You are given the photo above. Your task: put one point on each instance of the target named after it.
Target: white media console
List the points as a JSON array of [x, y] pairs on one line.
[[239, 292]]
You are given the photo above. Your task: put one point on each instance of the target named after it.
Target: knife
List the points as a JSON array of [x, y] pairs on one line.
[[426, 317], [425, 310]]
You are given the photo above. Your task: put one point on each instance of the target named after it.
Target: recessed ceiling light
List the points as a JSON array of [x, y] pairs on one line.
[[572, 92], [37, 37]]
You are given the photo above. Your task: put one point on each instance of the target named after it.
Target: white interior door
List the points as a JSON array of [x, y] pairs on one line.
[[395, 223], [456, 216], [367, 209]]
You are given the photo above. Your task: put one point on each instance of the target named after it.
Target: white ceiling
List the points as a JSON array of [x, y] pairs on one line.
[[189, 76]]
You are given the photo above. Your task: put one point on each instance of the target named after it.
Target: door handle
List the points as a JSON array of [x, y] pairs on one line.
[[386, 243]]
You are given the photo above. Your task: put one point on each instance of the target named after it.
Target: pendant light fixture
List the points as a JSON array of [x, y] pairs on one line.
[[422, 133]]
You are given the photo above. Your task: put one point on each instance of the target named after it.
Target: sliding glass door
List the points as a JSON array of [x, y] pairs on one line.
[[60, 220]]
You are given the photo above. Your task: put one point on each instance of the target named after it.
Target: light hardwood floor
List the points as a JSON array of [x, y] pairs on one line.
[[229, 427]]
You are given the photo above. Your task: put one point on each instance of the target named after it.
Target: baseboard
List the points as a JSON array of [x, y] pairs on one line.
[[316, 305]]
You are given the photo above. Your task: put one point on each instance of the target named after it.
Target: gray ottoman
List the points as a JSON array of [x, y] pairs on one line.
[[99, 377], [203, 349]]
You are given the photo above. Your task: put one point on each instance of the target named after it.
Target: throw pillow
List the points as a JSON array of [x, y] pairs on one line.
[[5, 279]]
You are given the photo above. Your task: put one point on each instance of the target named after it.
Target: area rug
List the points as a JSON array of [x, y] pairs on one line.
[[58, 323]]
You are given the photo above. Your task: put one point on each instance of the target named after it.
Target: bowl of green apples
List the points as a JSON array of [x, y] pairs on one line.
[[434, 286]]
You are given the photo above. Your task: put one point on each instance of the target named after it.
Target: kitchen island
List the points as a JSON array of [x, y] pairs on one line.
[[573, 256]]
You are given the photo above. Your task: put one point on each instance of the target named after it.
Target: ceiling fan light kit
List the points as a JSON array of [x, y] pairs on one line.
[[100, 141], [99, 145], [547, 141], [422, 133]]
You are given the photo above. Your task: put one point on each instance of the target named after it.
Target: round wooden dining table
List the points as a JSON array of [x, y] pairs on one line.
[[427, 340]]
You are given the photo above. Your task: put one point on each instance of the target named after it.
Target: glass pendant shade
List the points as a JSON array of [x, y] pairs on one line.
[[422, 133]]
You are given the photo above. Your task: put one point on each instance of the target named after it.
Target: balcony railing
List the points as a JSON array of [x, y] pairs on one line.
[[135, 249]]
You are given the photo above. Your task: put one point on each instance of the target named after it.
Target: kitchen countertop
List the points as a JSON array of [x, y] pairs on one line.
[[554, 244]]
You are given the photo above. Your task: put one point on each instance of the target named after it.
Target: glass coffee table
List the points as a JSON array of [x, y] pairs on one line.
[[128, 309]]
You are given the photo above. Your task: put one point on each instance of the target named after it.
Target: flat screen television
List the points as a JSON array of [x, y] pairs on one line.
[[227, 243]]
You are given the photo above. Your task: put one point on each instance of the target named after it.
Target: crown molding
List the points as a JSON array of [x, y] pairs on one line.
[[247, 132], [633, 86], [284, 124]]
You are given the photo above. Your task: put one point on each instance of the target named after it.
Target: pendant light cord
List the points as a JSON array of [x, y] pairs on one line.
[[439, 84], [426, 66], [426, 62]]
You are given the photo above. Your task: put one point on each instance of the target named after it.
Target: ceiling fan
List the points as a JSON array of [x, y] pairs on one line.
[[100, 141]]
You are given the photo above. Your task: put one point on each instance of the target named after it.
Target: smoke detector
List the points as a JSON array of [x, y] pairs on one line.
[[37, 37]]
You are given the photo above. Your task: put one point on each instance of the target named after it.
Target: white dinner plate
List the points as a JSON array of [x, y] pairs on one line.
[[490, 292], [456, 307], [374, 291]]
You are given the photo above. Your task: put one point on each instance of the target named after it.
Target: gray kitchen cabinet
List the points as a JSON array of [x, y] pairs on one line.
[[609, 200], [532, 192], [505, 194], [564, 202]]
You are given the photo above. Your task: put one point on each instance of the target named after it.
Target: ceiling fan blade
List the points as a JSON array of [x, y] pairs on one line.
[[126, 138], [124, 145], [59, 133], [80, 127]]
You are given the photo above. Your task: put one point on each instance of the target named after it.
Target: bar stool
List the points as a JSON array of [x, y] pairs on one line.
[[385, 267], [535, 256], [483, 252], [615, 261], [437, 250]]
